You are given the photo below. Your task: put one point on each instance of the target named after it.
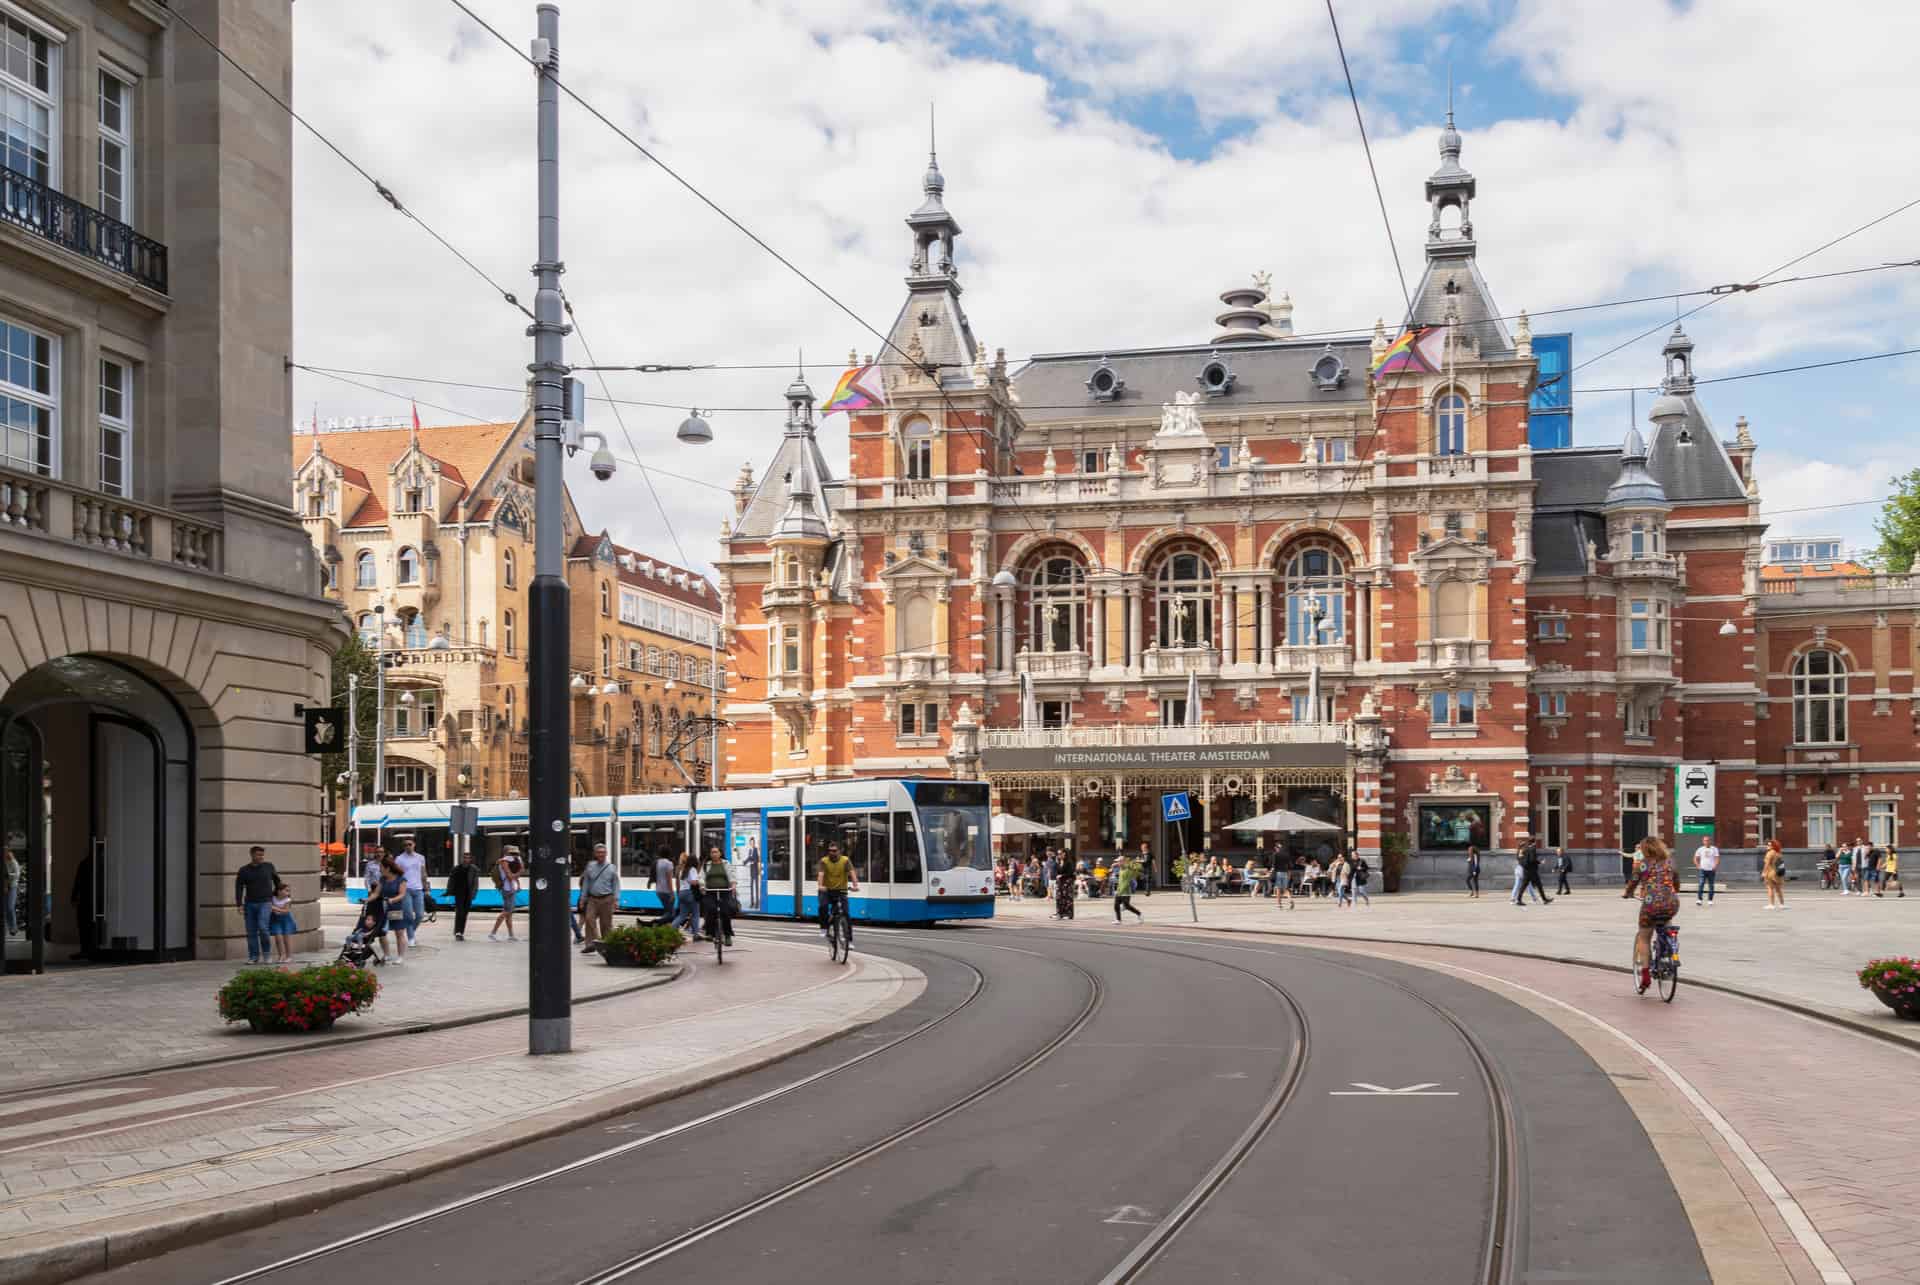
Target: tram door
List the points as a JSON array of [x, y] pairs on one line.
[[744, 856]]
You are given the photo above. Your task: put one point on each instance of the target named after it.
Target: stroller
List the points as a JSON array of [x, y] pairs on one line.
[[357, 949]]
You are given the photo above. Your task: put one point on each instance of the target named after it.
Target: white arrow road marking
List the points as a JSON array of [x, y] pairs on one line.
[[1133, 1216], [1361, 1089]]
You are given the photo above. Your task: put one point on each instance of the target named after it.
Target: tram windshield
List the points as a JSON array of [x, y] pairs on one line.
[[954, 829]]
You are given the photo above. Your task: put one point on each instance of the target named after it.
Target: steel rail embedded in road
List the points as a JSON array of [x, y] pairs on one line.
[[1136, 1263], [520, 1184], [693, 1236], [1500, 1262]]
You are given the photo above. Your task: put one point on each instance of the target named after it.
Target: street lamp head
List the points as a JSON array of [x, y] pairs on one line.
[[694, 429], [1004, 579], [406, 698], [610, 688], [669, 684], [579, 683], [440, 642], [1728, 629]]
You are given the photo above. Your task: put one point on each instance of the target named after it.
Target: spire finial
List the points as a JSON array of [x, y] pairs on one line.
[[933, 137], [1449, 91]]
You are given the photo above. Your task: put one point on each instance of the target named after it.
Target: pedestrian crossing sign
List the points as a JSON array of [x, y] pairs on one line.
[[1174, 807]]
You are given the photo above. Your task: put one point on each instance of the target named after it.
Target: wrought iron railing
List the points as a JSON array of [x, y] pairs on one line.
[[30, 204]]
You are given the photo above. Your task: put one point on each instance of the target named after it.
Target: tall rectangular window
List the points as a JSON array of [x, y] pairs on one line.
[[1453, 708], [1638, 542], [1769, 821], [790, 649], [1880, 823], [929, 719], [1553, 815], [909, 719], [29, 101], [1819, 824], [116, 428], [29, 406], [1639, 625], [116, 148]]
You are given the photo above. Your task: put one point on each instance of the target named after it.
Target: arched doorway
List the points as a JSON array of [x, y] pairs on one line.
[[97, 778]]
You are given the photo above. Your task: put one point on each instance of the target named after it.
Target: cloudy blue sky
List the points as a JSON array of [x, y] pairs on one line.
[[1115, 165]]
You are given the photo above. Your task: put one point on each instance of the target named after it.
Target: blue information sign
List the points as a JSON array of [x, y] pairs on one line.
[[1174, 807]]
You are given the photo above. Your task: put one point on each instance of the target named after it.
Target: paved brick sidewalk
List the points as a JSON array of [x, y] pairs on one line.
[[80, 1023], [1808, 954], [78, 1166]]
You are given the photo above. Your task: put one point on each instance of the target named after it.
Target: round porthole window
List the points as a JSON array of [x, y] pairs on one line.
[[1216, 378]]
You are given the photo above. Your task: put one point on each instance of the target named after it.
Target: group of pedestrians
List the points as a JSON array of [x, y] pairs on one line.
[[691, 894], [1864, 869]]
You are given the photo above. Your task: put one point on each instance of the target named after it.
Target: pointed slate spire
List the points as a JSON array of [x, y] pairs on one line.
[[1636, 488]]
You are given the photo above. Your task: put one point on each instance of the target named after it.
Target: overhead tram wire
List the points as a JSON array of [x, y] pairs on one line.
[[470, 418], [1378, 194], [1298, 401], [1759, 281], [646, 473], [385, 192]]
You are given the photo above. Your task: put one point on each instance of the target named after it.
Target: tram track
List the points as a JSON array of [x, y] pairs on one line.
[[979, 987], [1502, 1255]]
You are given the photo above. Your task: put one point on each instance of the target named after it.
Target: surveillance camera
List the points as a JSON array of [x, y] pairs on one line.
[[601, 464]]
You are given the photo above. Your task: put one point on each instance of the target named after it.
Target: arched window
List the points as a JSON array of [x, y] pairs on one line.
[[653, 731], [409, 563], [1453, 609], [1450, 425], [606, 656], [1820, 698], [365, 571], [915, 626], [1183, 600], [1057, 604], [1314, 582], [916, 436], [416, 631], [506, 568], [606, 598], [482, 632], [506, 632], [369, 629], [673, 665]]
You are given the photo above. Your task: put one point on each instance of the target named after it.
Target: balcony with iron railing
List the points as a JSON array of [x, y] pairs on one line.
[[46, 507], [51, 216]]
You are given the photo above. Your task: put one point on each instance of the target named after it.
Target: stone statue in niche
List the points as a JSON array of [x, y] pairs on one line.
[[1181, 416]]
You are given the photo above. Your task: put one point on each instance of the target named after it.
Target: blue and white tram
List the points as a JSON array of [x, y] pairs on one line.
[[920, 848]]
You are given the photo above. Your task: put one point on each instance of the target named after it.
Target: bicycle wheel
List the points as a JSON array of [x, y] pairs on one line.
[[1633, 973], [845, 934], [719, 946], [1669, 981]]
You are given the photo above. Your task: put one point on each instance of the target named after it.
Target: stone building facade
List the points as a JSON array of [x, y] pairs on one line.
[[158, 615], [425, 539], [1270, 570]]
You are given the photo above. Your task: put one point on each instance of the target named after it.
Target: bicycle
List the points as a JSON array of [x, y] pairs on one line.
[[1663, 965], [839, 932]]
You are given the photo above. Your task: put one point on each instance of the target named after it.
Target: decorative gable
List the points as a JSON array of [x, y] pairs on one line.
[[1453, 558]]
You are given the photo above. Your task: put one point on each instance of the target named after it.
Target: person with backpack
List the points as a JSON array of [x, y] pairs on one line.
[[506, 877], [1123, 879], [1563, 866], [1473, 871], [1361, 873]]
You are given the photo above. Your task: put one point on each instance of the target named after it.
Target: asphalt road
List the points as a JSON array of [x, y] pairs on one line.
[[1085, 1107]]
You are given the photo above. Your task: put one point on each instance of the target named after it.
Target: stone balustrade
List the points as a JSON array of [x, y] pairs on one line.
[[62, 512]]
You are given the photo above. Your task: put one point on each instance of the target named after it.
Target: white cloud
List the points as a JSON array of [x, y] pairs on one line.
[[1685, 160], [1821, 497]]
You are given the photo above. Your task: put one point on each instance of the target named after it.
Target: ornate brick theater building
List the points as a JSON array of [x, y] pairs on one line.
[[1275, 571]]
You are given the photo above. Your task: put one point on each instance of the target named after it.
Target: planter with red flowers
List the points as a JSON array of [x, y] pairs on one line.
[[289, 1001], [1895, 981]]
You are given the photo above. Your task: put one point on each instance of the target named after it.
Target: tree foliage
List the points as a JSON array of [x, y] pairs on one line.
[[1899, 524], [353, 659]]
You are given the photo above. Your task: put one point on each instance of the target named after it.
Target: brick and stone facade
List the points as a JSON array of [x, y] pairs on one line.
[[1277, 571]]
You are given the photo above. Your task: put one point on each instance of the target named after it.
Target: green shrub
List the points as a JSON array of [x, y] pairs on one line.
[[274, 999], [641, 944]]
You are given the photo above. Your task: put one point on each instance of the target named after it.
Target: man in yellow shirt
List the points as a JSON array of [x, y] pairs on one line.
[[836, 878]]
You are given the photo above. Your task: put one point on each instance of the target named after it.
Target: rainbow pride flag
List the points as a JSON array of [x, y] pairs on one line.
[[1403, 354], [858, 389]]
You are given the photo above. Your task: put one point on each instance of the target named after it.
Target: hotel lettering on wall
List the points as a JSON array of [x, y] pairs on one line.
[[1125, 758]]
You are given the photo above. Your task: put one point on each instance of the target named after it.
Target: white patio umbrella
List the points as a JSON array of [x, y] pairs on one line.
[[1193, 698], [1005, 823], [1281, 821], [1029, 705]]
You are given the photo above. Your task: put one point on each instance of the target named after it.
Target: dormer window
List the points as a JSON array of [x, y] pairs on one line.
[[1216, 378], [1105, 385], [1329, 372]]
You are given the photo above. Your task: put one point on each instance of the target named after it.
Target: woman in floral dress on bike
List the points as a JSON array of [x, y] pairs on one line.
[[1659, 887]]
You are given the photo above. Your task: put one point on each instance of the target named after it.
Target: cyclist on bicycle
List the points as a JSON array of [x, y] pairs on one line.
[[1659, 887], [836, 878], [717, 897]]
